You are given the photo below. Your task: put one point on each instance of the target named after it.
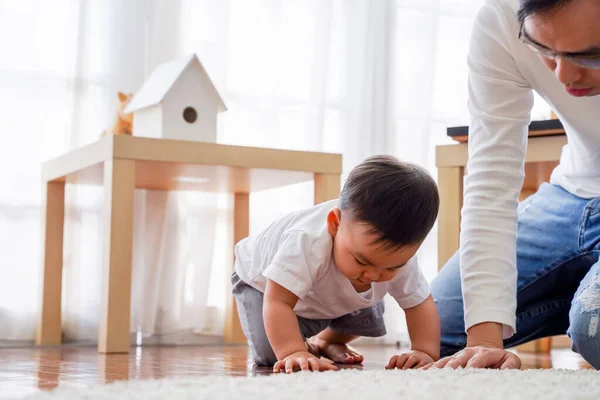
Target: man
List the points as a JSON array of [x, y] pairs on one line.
[[528, 270]]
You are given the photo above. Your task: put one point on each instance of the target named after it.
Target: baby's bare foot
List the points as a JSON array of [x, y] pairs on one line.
[[341, 353], [312, 347]]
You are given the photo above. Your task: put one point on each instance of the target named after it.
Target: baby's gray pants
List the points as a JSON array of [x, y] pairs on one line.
[[366, 322]]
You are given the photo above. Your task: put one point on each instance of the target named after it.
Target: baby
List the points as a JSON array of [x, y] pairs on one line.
[[314, 280]]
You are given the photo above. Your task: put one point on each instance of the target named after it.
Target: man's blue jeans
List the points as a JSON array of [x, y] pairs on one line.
[[558, 289]]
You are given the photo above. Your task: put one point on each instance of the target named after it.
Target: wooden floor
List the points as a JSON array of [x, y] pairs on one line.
[[26, 371]]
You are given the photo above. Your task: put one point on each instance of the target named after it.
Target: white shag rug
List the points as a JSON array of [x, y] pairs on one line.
[[354, 384]]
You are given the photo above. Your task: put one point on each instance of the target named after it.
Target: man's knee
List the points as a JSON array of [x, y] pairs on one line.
[[447, 293], [584, 329], [584, 335], [447, 282]]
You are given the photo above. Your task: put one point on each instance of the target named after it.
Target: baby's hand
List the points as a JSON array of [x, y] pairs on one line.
[[414, 359], [304, 361]]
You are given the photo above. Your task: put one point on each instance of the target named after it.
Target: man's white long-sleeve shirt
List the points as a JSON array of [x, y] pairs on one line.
[[503, 73]]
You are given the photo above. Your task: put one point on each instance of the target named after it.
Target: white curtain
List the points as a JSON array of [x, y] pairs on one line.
[[352, 76], [61, 66]]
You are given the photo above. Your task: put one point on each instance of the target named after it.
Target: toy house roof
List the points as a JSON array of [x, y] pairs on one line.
[[162, 80]]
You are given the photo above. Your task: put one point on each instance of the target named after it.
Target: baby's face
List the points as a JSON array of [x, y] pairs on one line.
[[358, 257]]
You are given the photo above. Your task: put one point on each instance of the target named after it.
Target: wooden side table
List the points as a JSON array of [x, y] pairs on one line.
[[125, 163], [543, 154]]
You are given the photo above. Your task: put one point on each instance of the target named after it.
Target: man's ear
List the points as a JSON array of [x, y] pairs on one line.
[[333, 221]]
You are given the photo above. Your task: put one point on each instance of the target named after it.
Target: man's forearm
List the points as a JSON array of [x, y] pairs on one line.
[[283, 331], [488, 334]]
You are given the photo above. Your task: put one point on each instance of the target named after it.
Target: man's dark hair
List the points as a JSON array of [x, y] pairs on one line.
[[531, 7], [399, 200]]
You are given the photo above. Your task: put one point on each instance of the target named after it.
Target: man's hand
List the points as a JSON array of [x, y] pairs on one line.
[[413, 359], [302, 360], [484, 350], [479, 357]]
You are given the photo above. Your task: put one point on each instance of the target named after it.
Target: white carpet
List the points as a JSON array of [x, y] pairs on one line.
[[359, 385]]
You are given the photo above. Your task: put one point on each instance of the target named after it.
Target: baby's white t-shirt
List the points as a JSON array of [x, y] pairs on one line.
[[297, 253]]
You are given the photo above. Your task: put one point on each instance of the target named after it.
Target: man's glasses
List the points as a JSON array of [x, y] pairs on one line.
[[583, 60]]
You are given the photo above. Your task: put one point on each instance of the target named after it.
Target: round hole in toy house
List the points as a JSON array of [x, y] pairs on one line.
[[190, 115]]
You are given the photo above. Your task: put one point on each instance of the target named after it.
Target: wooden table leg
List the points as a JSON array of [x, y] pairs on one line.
[[233, 333], [450, 185], [53, 215], [49, 368], [327, 187], [543, 346], [113, 367], [119, 187]]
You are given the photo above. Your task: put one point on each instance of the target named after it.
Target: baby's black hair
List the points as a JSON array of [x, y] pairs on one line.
[[399, 200]]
